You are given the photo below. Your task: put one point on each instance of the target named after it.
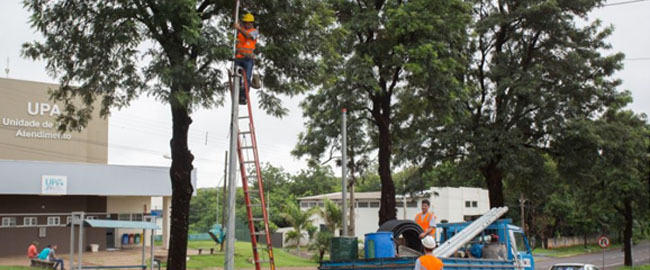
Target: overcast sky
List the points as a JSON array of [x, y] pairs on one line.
[[139, 135]]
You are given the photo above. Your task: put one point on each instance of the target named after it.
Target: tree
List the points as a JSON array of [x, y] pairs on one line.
[[94, 49], [314, 180], [321, 245], [532, 69], [609, 156], [299, 220], [376, 52]]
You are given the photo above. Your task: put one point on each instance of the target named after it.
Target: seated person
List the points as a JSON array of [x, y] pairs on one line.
[[32, 252]]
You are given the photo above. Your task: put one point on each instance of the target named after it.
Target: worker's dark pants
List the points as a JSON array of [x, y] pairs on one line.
[[247, 65]]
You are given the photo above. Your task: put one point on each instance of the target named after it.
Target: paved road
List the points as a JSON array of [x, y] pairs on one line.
[[613, 258]]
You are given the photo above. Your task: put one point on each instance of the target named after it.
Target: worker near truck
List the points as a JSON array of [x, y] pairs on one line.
[[426, 220], [428, 261], [494, 250], [245, 51]]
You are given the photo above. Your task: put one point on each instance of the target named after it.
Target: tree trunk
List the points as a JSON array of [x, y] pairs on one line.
[[494, 178], [627, 233], [350, 231], [181, 177], [387, 209]]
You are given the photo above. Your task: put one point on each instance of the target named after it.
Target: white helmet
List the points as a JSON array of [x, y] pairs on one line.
[[429, 242]]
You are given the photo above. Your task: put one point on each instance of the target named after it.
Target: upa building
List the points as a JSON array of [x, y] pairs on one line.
[[45, 175]]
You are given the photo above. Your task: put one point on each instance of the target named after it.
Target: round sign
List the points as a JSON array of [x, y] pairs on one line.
[[603, 241]]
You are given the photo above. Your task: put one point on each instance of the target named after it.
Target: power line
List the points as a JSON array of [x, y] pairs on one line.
[[624, 3], [637, 59]]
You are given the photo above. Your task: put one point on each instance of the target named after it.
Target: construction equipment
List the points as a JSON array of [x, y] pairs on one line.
[[251, 175], [450, 246], [455, 237]]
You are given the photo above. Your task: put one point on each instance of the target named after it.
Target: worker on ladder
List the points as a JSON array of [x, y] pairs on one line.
[[245, 51]]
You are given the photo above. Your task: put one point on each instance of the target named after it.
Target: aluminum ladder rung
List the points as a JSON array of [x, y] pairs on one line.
[[257, 219], [252, 191], [244, 132], [243, 117], [248, 162], [247, 147], [259, 233], [255, 205]]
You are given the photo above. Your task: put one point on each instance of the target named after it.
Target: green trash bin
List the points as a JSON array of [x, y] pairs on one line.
[[344, 248]]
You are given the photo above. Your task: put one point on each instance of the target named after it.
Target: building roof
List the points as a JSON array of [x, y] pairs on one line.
[[101, 223], [337, 196], [29, 177]]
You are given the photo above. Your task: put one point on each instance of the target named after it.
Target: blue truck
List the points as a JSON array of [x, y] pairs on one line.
[[457, 243]]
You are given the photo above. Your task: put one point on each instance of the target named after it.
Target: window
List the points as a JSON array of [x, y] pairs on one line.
[[399, 204], [68, 219], [412, 204], [362, 204], [374, 204], [42, 232], [468, 204], [136, 217], [53, 221], [8, 221], [475, 204], [321, 204], [304, 205], [29, 221], [125, 217], [91, 217]]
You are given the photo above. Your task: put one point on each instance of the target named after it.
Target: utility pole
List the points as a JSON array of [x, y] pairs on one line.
[[344, 164], [522, 201], [223, 211], [229, 261]]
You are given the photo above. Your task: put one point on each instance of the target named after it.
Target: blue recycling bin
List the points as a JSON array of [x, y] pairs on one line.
[[125, 239], [379, 245]]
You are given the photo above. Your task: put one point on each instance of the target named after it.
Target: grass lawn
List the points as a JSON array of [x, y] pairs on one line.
[[243, 252], [570, 251], [14, 267], [636, 267]]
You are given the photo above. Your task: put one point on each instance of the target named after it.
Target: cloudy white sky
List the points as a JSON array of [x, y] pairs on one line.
[[139, 135]]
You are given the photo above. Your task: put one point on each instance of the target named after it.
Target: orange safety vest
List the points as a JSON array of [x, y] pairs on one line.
[[429, 262], [244, 44], [425, 221]]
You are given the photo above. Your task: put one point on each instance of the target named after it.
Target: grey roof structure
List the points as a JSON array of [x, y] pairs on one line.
[[25, 178]]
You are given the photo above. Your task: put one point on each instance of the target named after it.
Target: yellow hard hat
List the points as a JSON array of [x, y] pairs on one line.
[[248, 18]]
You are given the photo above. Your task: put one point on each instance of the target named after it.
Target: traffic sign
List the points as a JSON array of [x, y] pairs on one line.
[[603, 241]]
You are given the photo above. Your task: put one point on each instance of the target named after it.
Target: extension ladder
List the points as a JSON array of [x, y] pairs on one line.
[[249, 166]]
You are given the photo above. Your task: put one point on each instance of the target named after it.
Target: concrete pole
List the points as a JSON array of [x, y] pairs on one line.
[[223, 205], [344, 164], [232, 186], [151, 242], [81, 241], [144, 247]]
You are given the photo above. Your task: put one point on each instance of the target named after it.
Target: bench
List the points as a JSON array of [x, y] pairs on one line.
[[42, 264]]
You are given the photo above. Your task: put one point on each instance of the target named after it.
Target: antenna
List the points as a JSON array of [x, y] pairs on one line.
[[7, 68]]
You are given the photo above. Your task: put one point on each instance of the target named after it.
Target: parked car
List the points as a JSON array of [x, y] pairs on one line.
[[573, 266]]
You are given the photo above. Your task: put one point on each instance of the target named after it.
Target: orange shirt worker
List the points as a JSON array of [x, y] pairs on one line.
[[426, 220], [428, 261]]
